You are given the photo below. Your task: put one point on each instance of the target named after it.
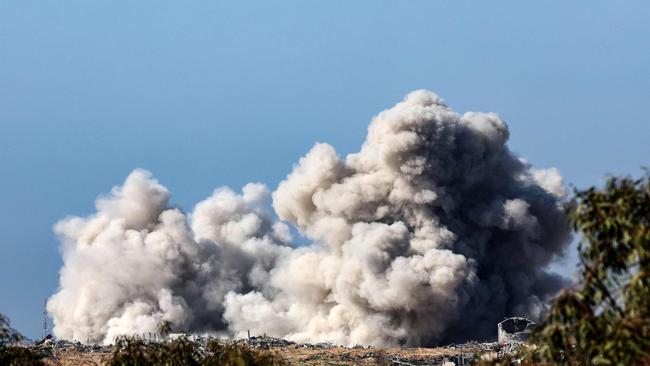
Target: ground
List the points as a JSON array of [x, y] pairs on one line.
[[304, 354], [69, 354]]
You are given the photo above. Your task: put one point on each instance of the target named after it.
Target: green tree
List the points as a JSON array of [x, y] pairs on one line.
[[605, 318]]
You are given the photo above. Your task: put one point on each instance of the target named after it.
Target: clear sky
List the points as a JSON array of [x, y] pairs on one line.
[[211, 93]]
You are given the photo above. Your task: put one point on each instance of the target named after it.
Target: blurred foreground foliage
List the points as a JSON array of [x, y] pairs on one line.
[[129, 351], [10, 354], [605, 318]]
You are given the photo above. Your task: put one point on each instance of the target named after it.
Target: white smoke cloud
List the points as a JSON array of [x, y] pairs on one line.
[[432, 233], [137, 262]]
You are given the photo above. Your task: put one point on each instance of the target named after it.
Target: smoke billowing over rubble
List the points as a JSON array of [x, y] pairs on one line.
[[432, 233]]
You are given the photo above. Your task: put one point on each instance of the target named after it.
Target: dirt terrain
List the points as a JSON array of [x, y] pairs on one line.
[[72, 357], [297, 355], [308, 354]]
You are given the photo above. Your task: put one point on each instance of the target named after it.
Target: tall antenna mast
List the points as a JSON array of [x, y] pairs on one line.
[[45, 324]]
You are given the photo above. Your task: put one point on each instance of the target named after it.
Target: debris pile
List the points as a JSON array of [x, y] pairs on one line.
[[268, 342], [323, 345]]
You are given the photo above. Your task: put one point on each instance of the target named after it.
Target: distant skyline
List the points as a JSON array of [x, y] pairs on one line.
[[207, 94]]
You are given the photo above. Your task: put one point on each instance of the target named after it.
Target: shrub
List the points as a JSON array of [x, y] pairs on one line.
[[10, 354], [129, 351]]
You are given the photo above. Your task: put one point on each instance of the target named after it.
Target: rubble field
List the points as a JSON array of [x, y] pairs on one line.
[[64, 353]]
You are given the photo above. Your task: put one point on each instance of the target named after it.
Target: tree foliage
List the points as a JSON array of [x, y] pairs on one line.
[[10, 354], [605, 318], [182, 351], [7, 334]]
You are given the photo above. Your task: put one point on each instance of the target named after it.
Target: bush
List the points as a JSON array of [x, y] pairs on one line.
[[129, 351], [13, 355]]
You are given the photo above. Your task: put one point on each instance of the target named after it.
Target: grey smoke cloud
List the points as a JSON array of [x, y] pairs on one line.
[[431, 233]]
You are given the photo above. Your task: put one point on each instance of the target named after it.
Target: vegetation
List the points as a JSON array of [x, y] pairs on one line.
[[182, 351], [605, 318], [10, 354]]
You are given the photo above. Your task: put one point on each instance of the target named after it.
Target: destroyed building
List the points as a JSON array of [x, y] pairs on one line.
[[515, 329]]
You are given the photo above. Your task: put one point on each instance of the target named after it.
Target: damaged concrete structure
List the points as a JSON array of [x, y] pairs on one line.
[[515, 329]]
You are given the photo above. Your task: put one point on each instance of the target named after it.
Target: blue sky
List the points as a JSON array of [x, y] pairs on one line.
[[208, 93]]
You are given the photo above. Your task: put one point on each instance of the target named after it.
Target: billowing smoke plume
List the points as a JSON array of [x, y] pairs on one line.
[[432, 233]]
